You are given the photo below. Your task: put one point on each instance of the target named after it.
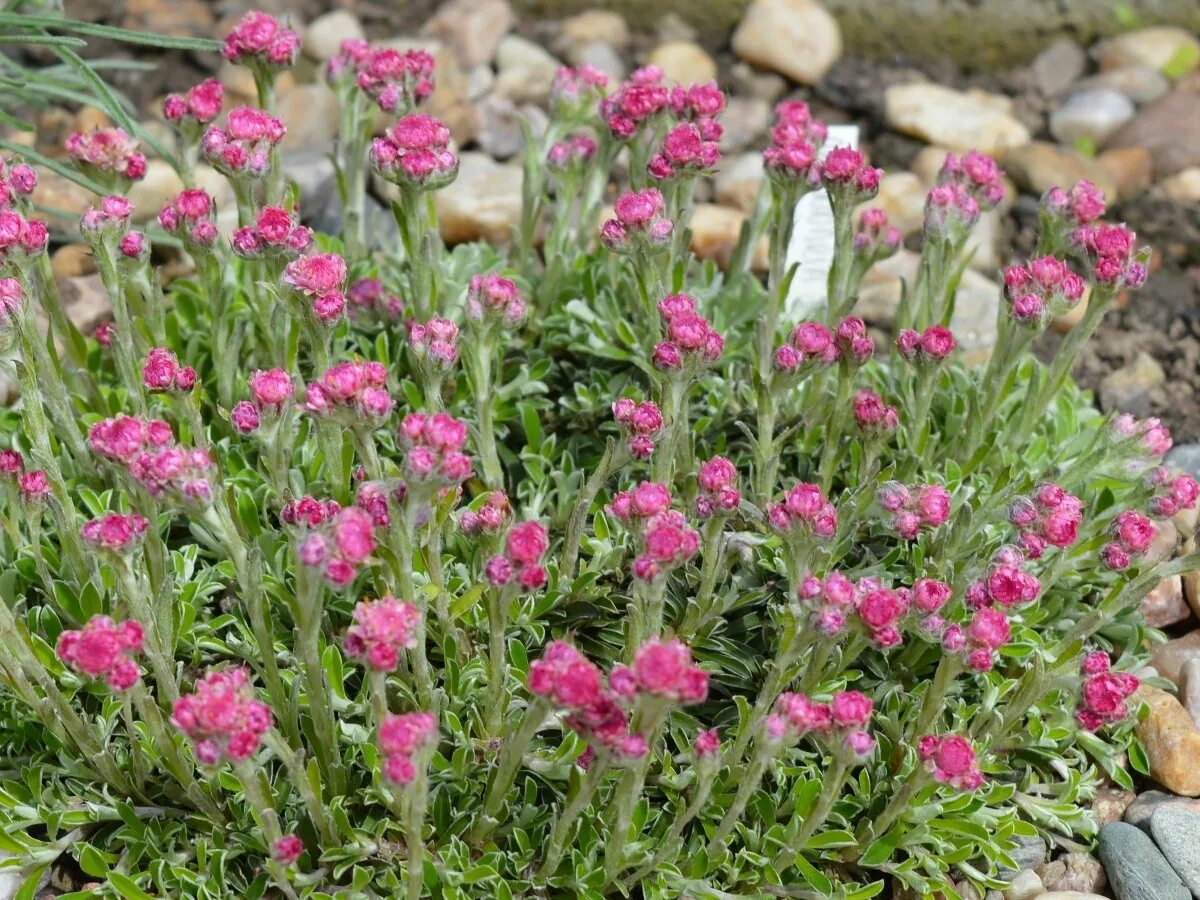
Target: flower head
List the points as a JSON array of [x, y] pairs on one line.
[[260, 40], [200, 105], [415, 152], [104, 649], [381, 629], [951, 760], [115, 532], [108, 154], [222, 717]]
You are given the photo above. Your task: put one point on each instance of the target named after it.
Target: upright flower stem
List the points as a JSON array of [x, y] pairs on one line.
[[772, 686], [173, 760], [672, 842], [136, 756], [498, 599], [506, 769], [308, 633], [668, 457], [842, 291], [766, 454], [700, 611], [159, 650], [293, 761], [579, 512], [832, 439], [576, 804], [414, 827], [870, 830], [124, 345], [401, 533], [53, 390], [485, 400], [748, 783], [948, 669], [263, 809], [647, 720]]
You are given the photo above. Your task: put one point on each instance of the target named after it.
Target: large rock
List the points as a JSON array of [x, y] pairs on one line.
[[795, 37], [1092, 116], [1038, 166], [1165, 604], [1070, 895], [1147, 804], [1139, 83], [1183, 186], [745, 121], [1025, 886], [1162, 48], [1110, 803], [1169, 129], [312, 116], [715, 232], [473, 28], [956, 120], [1136, 870], [601, 25], [85, 301], [1171, 741], [1058, 66], [1130, 168], [684, 62], [738, 180], [1177, 833], [324, 35], [1128, 388], [63, 201], [1189, 689], [525, 71], [1169, 658], [484, 202]]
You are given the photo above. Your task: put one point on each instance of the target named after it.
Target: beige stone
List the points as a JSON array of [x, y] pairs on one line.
[[715, 231], [472, 28], [312, 115], [797, 38], [71, 261], [1170, 657], [683, 62], [1155, 48], [324, 35], [738, 180], [1182, 187], [600, 25], [1038, 166], [902, 196], [1130, 168], [484, 202], [1165, 605], [1110, 803], [1171, 742], [954, 119]]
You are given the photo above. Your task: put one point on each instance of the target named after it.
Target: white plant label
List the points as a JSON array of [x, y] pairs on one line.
[[812, 240]]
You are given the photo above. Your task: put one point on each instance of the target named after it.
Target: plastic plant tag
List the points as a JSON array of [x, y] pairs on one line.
[[812, 239]]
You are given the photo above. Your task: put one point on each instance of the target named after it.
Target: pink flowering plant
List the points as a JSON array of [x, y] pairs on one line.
[[343, 567]]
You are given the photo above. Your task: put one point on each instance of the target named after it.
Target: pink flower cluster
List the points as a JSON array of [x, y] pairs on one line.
[[115, 532], [134, 246], [697, 102], [840, 724], [161, 372], [988, 631], [911, 509], [397, 81], [111, 216], [245, 144], [1153, 437], [634, 508], [381, 629], [308, 512], [339, 545], [880, 610], [951, 760], [368, 299], [122, 438], [796, 138], [639, 222], [690, 148], [1112, 253], [1050, 518], [403, 739], [933, 345], [20, 179], [950, 212], [32, 485], [434, 343], [691, 343], [876, 238], [854, 345], [201, 104], [222, 717], [416, 152], [640, 424], [260, 39], [275, 232], [270, 391], [320, 277], [175, 473], [1040, 288], [495, 299], [1174, 492], [567, 678], [848, 178], [977, 174], [571, 154], [811, 345], [872, 415], [635, 102], [830, 600], [1005, 584], [490, 518], [718, 483], [1082, 205], [27, 237], [1133, 533], [287, 849], [1104, 696], [521, 562], [663, 669], [434, 447], [665, 540], [574, 91], [107, 153], [351, 393], [104, 649], [805, 511], [191, 215]]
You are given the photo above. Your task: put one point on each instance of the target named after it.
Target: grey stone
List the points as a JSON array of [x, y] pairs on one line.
[[525, 70], [1140, 84], [1147, 804], [1056, 67], [1136, 870], [600, 55], [1170, 129], [1094, 116], [313, 173], [745, 120], [1073, 872], [473, 28], [1029, 852], [1189, 689], [1177, 833], [1128, 388], [499, 134]]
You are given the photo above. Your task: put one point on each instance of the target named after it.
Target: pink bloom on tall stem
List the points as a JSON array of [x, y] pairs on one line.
[[381, 629], [951, 760], [222, 717], [403, 739], [719, 494], [201, 104], [260, 38], [1104, 695], [116, 532], [104, 649], [107, 151], [287, 849]]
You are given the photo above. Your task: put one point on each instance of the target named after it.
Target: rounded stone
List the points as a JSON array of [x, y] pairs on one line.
[[1091, 116], [324, 35], [1177, 833], [1136, 870], [683, 62], [797, 38]]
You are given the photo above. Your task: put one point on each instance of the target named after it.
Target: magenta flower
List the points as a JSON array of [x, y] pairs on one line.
[[804, 511], [402, 739], [639, 221], [416, 152], [576, 91], [11, 463], [106, 153], [872, 415], [244, 147], [572, 154], [351, 393], [527, 543], [490, 518], [260, 39], [287, 849], [115, 532], [1082, 205], [634, 103], [496, 300], [33, 486], [381, 629], [923, 506], [104, 649], [368, 300], [123, 437], [847, 177], [434, 450], [688, 149], [1104, 695], [640, 424], [222, 717], [308, 512], [110, 217], [180, 474], [951, 760], [977, 174], [200, 105], [665, 669], [718, 480], [162, 372], [190, 216]]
